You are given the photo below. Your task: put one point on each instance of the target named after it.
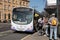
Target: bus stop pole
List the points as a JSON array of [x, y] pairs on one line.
[[57, 8], [58, 30]]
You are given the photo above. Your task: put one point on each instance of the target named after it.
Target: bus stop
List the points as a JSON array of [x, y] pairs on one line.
[[50, 10]]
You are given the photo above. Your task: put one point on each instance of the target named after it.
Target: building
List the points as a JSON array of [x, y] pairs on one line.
[[53, 6], [6, 7]]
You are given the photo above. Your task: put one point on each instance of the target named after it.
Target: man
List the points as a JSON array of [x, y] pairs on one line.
[[53, 21]]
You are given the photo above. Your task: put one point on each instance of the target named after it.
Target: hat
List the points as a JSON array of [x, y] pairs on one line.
[[53, 14]]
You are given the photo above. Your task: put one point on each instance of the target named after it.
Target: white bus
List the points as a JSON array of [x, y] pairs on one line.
[[22, 19]]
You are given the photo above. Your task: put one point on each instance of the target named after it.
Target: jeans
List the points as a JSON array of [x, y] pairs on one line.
[[53, 29], [46, 30], [40, 31]]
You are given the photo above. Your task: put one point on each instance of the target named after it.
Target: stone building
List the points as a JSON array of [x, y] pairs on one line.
[[6, 7]]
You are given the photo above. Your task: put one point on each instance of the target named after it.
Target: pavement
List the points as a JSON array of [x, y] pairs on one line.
[[5, 27], [35, 36], [7, 34], [4, 33], [11, 35]]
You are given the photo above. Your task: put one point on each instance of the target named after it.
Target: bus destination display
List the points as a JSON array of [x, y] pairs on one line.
[[23, 9]]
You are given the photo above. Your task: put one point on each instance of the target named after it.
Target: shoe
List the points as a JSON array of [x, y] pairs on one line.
[[44, 35], [40, 34], [47, 35]]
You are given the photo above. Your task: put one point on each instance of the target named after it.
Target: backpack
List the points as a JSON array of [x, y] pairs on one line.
[[54, 22]]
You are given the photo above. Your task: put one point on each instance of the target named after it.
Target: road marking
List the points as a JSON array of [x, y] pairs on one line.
[[28, 36], [0, 35], [0, 27], [5, 33], [25, 37]]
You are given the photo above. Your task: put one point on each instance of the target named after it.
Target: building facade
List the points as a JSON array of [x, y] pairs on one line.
[[53, 7], [6, 7]]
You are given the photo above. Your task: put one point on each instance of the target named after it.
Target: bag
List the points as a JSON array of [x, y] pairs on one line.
[[54, 22]]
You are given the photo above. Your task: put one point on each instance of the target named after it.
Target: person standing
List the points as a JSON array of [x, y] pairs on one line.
[[53, 21], [45, 25], [40, 26]]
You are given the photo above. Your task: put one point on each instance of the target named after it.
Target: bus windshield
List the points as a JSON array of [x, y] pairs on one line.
[[22, 18]]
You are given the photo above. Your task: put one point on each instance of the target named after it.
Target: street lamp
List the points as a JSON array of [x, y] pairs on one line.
[[57, 8]]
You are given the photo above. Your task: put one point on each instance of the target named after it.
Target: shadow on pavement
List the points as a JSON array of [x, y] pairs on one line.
[[21, 32]]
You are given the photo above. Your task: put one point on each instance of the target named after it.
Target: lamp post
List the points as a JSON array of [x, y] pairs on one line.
[[57, 8]]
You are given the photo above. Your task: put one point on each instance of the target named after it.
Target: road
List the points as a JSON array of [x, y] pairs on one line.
[[7, 34], [5, 26]]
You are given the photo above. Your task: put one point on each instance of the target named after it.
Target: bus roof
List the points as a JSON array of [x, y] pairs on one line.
[[22, 7]]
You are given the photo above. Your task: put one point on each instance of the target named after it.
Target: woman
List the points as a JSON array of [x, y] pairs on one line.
[[45, 25], [40, 22]]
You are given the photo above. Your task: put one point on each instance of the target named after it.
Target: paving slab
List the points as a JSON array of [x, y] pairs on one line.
[[35, 36]]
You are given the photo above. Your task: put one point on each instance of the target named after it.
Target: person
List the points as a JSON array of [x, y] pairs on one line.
[[53, 21], [40, 26], [44, 28], [45, 25]]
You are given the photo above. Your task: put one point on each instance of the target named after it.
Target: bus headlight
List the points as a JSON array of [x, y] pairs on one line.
[[13, 27], [30, 28]]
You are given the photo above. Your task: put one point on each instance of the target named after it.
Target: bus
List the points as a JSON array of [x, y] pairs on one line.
[[23, 19]]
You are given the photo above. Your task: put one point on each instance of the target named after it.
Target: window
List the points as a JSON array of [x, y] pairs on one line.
[[4, 7], [8, 16], [0, 14], [1, 0], [16, 2], [23, 3], [8, 1], [20, 3], [0, 3], [12, 1], [27, 4], [5, 0], [5, 16], [8, 7], [13, 6]]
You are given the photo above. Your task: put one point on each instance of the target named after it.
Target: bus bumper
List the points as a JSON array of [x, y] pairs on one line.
[[22, 29]]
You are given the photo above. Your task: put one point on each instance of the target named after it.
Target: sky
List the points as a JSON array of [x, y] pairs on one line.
[[38, 4]]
